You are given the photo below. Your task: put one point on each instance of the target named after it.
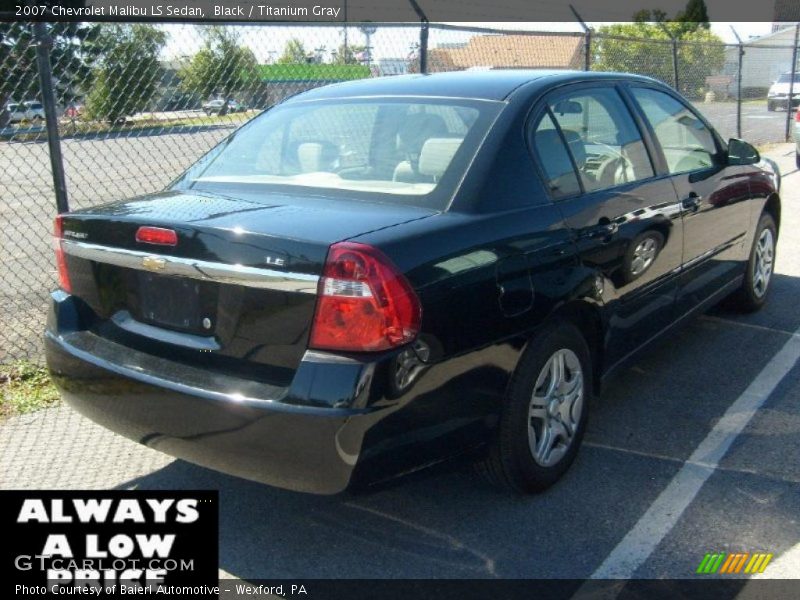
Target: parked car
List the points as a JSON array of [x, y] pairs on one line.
[[179, 101], [215, 106], [25, 111], [453, 263], [73, 110], [778, 94]]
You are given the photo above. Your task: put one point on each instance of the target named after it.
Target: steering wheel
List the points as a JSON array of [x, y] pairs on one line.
[[618, 168]]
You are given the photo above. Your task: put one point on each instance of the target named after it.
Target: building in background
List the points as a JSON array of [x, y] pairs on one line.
[[765, 59], [562, 51], [392, 66]]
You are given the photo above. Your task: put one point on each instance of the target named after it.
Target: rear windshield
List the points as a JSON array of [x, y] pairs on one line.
[[412, 151]]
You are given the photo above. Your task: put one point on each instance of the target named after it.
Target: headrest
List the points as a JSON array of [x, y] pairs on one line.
[[316, 156], [557, 163], [436, 155], [575, 146], [417, 128]]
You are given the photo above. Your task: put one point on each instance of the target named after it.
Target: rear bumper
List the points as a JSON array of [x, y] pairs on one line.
[[268, 434], [338, 424]]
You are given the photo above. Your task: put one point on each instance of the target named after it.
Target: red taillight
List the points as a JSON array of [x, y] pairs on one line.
[[364, 304], [61, 260], [797, 116], [157, 235]]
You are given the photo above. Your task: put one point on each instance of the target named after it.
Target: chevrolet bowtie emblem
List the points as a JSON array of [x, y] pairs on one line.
[[153, 263]]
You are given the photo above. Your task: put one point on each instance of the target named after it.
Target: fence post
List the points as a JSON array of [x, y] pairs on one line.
[[423, 47], [43, 44], [739, 85], [674, 55], [739, 92], [587, 49], [675, 63], [423, 36], [587, 40], [791, 84]]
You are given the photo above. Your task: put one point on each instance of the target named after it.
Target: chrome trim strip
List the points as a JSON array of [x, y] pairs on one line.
[[317, 356], [300, 100], [268, 279]]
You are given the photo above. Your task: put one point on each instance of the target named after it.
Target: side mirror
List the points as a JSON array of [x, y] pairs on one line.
[[742, 153]]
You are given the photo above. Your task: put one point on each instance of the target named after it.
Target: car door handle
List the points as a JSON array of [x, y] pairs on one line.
[[692, 202], [603, 231]]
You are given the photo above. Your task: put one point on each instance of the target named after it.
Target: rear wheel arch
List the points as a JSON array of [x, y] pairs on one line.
[[512, 462], [773, 207], [586, 318]]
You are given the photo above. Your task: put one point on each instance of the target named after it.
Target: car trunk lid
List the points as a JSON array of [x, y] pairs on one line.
[[238, 288]]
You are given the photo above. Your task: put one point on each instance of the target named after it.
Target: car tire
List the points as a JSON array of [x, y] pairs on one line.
[[755, 287], [537, 415], [770, 106], [797, 159]]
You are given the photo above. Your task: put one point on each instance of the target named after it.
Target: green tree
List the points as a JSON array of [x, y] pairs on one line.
[[648, 16], [128, 74], [293, 52], [645, 48], [347, 56], [72, 54], [222, 66], [694, 16]]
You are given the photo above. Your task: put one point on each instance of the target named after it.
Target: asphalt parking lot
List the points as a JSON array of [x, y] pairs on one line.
[[759, 126], [99, 169], [695, 449]]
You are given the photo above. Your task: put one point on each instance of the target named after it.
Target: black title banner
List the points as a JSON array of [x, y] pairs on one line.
[[386, 11], [109, 542]]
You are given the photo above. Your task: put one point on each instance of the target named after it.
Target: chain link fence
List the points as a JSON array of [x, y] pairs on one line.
[[133, 105]]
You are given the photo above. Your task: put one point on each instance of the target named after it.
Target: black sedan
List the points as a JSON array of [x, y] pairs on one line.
[[376, 276]]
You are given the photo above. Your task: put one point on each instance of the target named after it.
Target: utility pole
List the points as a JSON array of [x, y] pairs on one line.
[[368, 31]]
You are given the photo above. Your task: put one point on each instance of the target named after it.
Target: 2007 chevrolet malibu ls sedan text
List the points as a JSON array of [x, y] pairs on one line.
[[375, 276]]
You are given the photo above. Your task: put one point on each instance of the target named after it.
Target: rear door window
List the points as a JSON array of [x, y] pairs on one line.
[[559, 172], [602, 137]]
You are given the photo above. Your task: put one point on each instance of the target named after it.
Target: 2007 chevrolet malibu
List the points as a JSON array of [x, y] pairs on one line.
[[375, 276]]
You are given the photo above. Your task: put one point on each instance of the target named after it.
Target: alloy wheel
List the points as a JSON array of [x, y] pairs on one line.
[[762, 266], [555, 408]]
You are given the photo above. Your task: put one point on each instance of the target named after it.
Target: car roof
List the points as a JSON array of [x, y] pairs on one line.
[[491, 84]]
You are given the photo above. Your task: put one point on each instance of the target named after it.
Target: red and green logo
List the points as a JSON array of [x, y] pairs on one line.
[[722, 563]]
